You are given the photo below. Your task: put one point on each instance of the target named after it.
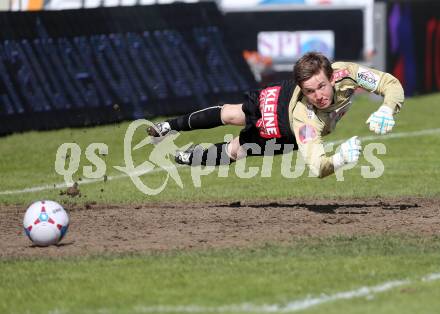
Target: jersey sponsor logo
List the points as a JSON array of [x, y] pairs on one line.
[[340, 74], [268, 123], [307, 133], [367, 79]]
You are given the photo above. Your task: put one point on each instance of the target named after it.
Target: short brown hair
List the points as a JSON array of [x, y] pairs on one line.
[[309, 65]]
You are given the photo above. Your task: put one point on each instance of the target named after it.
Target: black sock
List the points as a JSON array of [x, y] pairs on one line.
[[203, 119], [214, 155]]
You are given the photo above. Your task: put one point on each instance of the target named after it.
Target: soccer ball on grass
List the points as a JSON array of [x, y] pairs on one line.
[[45, 223]]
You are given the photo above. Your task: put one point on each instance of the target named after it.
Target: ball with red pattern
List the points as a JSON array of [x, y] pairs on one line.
[[45, 223]]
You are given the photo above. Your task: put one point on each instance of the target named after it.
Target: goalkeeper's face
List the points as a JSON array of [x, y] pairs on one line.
[[318, 90]]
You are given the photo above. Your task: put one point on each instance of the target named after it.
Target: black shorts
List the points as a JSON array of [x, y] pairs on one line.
[[267, 119]]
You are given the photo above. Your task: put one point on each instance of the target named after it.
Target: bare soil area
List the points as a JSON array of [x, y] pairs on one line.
[[106, 229]]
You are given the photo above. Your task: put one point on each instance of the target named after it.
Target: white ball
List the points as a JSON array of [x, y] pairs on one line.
[[45, 223]]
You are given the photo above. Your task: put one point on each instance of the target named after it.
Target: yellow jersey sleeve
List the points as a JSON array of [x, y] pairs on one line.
[[378, 82]]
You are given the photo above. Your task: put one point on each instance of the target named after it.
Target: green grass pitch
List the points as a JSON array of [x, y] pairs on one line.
[[231, 280]]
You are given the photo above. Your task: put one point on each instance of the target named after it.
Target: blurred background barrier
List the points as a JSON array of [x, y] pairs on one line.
[[413, 51], [91, 66]]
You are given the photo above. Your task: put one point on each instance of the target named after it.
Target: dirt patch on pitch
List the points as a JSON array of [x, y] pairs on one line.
[[97, 228]]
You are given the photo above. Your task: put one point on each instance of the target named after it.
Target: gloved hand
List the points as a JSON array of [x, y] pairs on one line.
[[348, 153], [381, 121]]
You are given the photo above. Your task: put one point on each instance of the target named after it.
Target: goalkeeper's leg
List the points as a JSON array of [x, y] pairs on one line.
[[202, 119], [215, 155]]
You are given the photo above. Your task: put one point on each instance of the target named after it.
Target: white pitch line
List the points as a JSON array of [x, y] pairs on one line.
[[294, 306], [431, 277], [394, 135], [83, 181], [122, 176]]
